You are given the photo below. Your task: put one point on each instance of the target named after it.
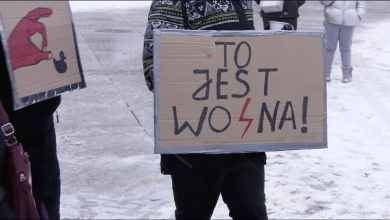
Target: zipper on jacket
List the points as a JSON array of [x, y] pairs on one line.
[[243, 20]]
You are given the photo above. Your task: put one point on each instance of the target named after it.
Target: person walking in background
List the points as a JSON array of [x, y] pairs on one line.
[[289, 14], [34, 128], [341, 18]]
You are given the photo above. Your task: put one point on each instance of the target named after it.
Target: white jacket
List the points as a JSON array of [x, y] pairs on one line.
[[348, 13]]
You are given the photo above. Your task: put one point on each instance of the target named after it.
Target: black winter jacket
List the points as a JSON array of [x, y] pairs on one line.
[[41, 109], [188, 14], [290, 9], [5, 211], [3, 153]]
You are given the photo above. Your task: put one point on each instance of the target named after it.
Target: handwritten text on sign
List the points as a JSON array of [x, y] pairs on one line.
[[240, 90]]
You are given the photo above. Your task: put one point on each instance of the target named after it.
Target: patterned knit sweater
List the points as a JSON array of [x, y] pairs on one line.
[[189, 14]]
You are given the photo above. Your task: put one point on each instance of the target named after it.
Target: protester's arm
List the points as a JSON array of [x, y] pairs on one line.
[[161, 16], [361, 9], [258, 1], [300, 2], [326, 3]]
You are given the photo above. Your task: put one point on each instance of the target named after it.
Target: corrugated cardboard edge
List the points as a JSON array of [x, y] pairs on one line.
[[226, 149], [81, 84], [156, 60], [29, 100], [325, 95], [6, 55]]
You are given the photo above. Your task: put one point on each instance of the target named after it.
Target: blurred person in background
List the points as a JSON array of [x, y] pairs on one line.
[[341, 18], [289, 14]]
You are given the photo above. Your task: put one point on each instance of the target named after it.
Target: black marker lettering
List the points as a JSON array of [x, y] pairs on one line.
[[225, 44], [236, 55], [284, 116], [304, 114], [266, 78], [238, 73], [186, 124], [220, 83], [272, 121], [228, 124], [205, 85]]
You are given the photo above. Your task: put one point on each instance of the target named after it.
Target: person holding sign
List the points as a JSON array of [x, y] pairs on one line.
[[289, 13], [199, 179], [341, 18], [34, 127]]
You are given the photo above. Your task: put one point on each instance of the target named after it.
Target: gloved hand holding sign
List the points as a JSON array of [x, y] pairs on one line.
[[22, 51]]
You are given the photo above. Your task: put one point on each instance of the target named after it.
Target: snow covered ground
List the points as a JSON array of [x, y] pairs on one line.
[[350, 179], [105, 132]]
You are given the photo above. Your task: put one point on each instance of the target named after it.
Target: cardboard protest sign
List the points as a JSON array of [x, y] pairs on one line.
[[236, 92], [41, 50]]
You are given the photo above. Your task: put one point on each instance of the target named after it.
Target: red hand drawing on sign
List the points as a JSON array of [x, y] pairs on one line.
[[22, 51]]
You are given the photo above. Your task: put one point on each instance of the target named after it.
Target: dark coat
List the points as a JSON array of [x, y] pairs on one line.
[[5, 211], [186, 14], [290, 9], [3, 153], [41, 109]]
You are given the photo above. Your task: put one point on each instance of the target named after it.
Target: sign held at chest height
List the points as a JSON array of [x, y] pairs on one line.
[[237, 92]]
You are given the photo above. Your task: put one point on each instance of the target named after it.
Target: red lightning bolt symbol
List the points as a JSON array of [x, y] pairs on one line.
[[246, 119]]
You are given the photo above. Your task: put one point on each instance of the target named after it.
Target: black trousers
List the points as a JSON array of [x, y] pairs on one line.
[[291, 20], [242, 190], [39, 141]]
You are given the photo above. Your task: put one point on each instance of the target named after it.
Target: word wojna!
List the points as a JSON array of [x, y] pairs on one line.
[[264, 112]]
